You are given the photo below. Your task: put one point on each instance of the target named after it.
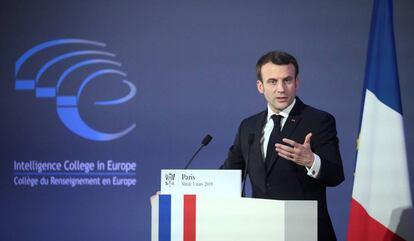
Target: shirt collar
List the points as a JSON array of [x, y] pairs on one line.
[[284, 113]]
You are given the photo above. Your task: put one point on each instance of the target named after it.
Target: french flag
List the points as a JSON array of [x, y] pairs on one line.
[[381, 207], [208, 218], [176, 218]]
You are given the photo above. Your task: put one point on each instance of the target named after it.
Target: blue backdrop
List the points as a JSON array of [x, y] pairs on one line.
[[193, 66]]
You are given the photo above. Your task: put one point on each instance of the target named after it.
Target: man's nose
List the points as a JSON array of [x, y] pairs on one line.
[[280, 87]]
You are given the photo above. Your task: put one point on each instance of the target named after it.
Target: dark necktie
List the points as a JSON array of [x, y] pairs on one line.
[[273, 138]]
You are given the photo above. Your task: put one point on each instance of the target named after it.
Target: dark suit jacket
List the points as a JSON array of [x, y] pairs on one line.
[[283, 179]]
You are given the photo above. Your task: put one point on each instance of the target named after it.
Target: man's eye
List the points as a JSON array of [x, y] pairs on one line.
[[273, 82]]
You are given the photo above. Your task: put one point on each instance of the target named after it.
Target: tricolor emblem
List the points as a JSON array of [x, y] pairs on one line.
[[206, 218], [381, 206]]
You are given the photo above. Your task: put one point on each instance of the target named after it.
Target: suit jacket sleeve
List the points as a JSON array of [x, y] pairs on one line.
[[235, 158], [325, 144]]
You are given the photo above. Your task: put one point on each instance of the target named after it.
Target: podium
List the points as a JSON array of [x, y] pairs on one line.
[[202, 216]]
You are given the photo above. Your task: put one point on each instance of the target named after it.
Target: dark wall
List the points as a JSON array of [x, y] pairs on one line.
[[193, 65]]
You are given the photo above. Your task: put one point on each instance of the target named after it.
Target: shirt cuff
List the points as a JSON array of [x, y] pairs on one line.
[[313, 171]]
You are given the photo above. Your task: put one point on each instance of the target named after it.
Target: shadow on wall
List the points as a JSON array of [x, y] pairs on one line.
[[403, 218]]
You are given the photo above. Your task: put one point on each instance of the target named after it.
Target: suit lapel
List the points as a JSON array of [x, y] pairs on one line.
[[291, 123], [257, 147]]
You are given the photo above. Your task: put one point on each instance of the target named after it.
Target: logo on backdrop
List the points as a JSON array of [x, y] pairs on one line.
[[169, 179], [67, 104]]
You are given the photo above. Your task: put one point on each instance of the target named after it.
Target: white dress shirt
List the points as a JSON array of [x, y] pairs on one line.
[[313, 171]]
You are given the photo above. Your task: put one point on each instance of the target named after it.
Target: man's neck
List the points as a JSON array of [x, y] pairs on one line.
[[285, 112]]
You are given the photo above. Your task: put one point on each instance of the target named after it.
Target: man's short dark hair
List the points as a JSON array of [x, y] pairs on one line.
[[276, 57]]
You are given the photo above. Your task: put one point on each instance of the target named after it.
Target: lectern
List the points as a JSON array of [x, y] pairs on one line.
[[178, 215]]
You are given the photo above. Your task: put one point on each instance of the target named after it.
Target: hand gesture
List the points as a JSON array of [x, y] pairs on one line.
[[300, 154]]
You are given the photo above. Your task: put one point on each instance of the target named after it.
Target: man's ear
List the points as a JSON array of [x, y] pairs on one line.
[[259, 85], [297, 83]]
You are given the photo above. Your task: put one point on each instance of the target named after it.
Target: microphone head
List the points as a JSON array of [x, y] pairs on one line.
[[206, 140], [250, 139]]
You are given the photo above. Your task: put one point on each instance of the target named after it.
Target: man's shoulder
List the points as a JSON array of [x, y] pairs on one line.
[[254, 121], [314, 115], [313, 112], [256, 117]]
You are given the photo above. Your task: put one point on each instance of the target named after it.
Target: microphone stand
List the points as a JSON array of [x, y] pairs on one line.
[[204, 143]]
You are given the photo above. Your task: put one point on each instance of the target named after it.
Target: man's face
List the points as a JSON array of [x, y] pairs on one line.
[[279, 85]]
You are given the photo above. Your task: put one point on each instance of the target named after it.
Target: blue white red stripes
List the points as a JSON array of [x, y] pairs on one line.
[[381, 200], [177, 218]]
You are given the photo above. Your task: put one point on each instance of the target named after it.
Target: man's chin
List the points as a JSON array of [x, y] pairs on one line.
[[280, 107]]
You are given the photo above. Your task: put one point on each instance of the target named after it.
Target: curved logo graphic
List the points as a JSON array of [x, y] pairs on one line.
[[67, 105]]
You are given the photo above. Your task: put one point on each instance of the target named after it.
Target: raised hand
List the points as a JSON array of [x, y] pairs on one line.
[[300, 154]]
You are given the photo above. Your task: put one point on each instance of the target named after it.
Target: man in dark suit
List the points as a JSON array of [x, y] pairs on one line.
[[292, 148]]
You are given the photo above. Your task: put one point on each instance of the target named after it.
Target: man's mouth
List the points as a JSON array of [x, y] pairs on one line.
[[281, 99]]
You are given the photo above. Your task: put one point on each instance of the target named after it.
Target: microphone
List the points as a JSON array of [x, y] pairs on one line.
[[206, 140], [204, 143], [250, 140]]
